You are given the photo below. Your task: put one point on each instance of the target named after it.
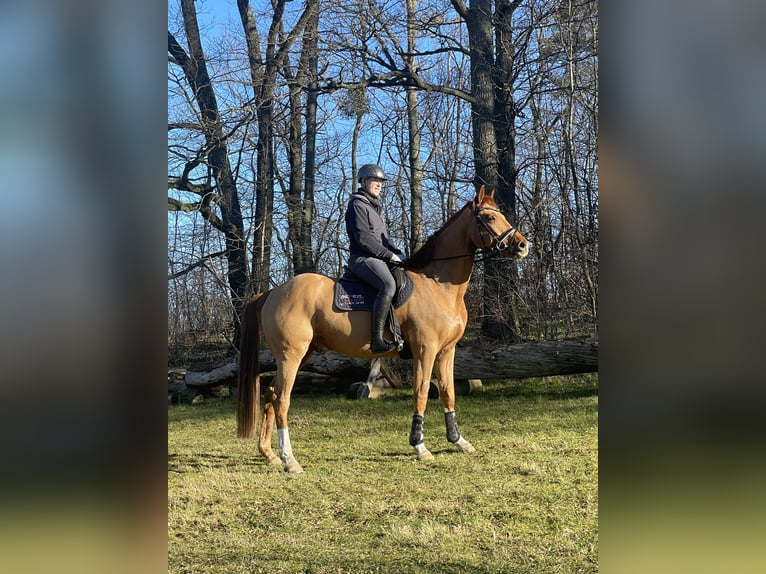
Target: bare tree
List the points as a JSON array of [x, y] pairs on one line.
[[219, 188], [264, 71], [299, 195], [448, 94]]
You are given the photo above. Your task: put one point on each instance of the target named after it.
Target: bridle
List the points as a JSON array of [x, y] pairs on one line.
[[502, 241]]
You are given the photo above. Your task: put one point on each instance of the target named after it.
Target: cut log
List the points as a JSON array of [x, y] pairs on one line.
[[328, 363], [467, 387], [524, 360], [519, 361], [225, 374]]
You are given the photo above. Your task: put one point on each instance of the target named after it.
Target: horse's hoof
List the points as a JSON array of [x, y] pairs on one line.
[[425, 455], [293, 467], [275, 461], [363, 391], [464, 446]]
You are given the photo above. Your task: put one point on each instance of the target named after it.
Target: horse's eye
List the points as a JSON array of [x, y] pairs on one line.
[[490, 219]]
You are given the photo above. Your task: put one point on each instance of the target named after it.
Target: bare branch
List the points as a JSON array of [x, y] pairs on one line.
[[176, 205], [183, 184], [196, 264], [460, 8], [401, 78], [177, 54]]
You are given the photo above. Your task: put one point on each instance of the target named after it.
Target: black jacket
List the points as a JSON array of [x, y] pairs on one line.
[[367, 232]]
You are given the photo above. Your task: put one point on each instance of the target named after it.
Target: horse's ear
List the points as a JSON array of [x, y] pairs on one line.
[[480, 195], [492, 195]]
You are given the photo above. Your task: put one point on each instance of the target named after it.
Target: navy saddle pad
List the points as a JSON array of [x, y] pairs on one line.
[[353, 294]]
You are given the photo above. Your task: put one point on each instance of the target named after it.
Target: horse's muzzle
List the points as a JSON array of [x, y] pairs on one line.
[[521, 249], [513, 244]]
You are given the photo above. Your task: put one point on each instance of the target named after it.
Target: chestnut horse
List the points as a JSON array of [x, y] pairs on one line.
[[297, 318]]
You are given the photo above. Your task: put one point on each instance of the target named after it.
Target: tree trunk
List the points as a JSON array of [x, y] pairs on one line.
[[501, 320], [311, 40], [231, 222], [294, 194], [416, 166], [300, 199], [263, 73], [542, 236], [480, 42], [523, 360], [484, 109], [530, 359], [505, 112], [263, 76]]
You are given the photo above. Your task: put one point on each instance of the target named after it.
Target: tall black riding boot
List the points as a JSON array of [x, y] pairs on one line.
[[379, 315]]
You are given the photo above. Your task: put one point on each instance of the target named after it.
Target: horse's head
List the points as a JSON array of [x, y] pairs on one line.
[[492, 232]]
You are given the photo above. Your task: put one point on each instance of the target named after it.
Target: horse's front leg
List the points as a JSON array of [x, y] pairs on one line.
[[445, 365], [421, 382]]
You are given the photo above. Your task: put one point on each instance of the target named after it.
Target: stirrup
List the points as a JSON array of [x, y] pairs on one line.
[[376, 350]]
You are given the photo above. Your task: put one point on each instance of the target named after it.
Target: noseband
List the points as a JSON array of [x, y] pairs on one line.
[[502, 241]]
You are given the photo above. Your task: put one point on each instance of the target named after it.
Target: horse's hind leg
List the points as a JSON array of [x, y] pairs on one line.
[[445, 365], [287, 369], [267, 424]]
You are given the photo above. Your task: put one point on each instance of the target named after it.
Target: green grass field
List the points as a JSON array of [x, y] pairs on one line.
[[527, 501]]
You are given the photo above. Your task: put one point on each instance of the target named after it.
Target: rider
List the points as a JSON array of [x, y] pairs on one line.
[[372, 250]]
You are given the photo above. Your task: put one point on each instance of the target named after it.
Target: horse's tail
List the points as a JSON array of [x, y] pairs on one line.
[[249, 380]]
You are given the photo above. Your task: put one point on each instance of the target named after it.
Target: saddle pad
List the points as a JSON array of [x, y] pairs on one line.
[[352, 294]]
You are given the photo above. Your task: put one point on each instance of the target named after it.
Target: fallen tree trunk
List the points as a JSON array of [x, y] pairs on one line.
[[524, 360], [519, 361]]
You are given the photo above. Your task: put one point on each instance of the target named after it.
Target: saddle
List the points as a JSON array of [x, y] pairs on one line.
[[353, 294]]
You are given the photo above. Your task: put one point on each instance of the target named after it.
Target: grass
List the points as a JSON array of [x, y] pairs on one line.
[[527, 501]]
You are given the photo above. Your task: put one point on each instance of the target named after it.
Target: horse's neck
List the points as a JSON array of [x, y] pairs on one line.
[[452, 262]]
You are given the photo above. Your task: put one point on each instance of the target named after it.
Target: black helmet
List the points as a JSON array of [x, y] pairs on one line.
[[370, 170]]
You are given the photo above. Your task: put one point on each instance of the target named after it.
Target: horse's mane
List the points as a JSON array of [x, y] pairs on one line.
[[425, 254]]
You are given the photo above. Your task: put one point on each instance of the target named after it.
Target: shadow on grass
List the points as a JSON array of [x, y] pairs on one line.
[[209, 409], [574, 394], [373, 563], [180, 463]]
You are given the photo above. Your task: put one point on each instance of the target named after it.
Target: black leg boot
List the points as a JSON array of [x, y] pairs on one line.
[[379, 315]]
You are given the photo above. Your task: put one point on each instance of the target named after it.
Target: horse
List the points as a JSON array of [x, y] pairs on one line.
[[297, 318]]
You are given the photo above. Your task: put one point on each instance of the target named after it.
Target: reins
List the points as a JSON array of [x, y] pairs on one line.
[[480, 255]]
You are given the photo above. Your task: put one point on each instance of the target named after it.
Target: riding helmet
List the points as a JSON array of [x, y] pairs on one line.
[[370, 170]]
